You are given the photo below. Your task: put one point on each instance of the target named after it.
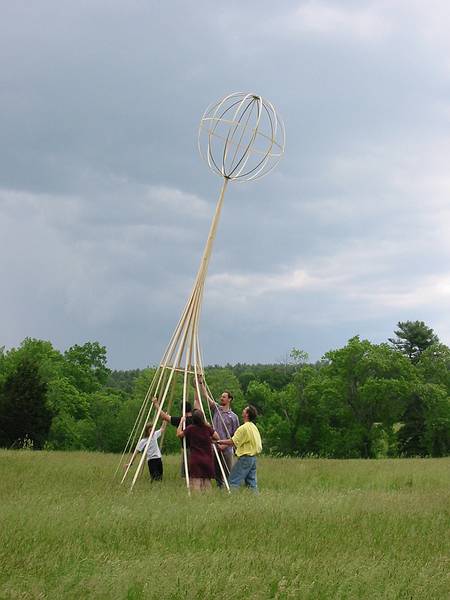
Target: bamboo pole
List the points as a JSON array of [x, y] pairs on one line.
[[184, 333], [183, 344]]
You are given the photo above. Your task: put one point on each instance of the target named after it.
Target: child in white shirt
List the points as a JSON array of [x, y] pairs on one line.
[[154, 460]]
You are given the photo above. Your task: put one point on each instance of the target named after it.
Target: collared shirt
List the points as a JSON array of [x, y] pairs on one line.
[[225, 422], [247, 440]]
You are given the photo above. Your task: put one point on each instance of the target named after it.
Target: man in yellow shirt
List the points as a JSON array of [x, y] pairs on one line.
[[247, 442]]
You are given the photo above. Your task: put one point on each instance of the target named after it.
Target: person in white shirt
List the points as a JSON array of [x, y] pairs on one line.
[[154, 460]]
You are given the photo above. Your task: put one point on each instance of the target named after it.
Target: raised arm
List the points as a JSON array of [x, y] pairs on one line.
[[204, 391], [197, 405], [180, 432], [164, 416]]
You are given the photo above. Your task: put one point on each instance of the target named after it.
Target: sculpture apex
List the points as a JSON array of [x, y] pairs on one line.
[[241, 137]]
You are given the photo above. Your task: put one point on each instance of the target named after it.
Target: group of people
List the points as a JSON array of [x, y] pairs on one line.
[[236, 446]]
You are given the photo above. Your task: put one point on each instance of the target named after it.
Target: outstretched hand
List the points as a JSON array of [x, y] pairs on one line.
[[199, 380]]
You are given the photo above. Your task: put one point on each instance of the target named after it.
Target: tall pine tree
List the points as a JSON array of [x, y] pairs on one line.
[[413, 337], [23, 412]]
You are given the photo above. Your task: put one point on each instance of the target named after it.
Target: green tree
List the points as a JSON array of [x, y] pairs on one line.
[[2, 365], [23, 410], [276, 376], [245, 378], [64, 397], [425, 427], [106, 435], [292, 415], [69, 407], [261, 396], [373, 383], [123, 380], [433, 365], [85, 366], [298, 357], [413, 337], [142, 383], [41, 352]]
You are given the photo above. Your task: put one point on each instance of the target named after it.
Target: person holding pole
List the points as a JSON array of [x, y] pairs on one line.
[[154, 458], [225, 422], [247, 441], [175, 421], [200, 463]]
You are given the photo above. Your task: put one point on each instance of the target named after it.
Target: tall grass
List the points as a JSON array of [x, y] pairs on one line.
[[318, 529]]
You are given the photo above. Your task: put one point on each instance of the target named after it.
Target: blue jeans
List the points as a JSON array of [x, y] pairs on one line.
[[244, 470]]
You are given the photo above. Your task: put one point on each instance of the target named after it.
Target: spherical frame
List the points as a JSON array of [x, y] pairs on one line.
[[241, 137]]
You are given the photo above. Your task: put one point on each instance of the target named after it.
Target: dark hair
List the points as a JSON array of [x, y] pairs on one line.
[[147, 429], [230, 395], [188, 407], [252, 413], [198, 418]]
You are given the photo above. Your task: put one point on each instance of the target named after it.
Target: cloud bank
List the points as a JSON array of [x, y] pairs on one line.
[[105, 204]]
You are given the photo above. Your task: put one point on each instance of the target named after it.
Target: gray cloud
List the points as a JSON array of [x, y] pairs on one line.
[[105, 205]]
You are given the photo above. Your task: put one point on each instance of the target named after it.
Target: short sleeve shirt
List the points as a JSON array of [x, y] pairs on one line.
[[247, 440], [175, 421], [225, 422], [153, 450]]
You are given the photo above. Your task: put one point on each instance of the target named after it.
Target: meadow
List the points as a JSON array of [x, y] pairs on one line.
[[318, 529]]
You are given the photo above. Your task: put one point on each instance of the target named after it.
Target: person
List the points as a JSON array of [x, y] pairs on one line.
[[154, 458], [247, 441], [175, 421], [225, 422], [201, 465]]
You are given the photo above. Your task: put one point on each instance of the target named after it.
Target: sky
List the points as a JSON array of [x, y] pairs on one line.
[[105, 203]]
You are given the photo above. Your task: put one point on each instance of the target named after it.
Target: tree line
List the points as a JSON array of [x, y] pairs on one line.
[[363, 400]]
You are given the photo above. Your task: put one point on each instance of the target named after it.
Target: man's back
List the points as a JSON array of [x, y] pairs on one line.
[[247, 440]]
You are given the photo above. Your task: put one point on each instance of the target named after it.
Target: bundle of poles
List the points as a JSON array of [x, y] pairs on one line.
[[183, 357], [241, 138]]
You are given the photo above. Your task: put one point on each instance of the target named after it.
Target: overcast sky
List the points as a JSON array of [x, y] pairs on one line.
[[105, 203]]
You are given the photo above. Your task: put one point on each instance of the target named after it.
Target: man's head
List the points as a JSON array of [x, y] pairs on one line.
[[188, 408], [226, 399], [249, 413]]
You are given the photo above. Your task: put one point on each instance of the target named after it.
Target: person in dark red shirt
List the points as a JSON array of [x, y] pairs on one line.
[[201, 461]]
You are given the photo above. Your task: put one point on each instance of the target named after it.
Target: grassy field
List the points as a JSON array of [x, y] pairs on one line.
[[318, 529]]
